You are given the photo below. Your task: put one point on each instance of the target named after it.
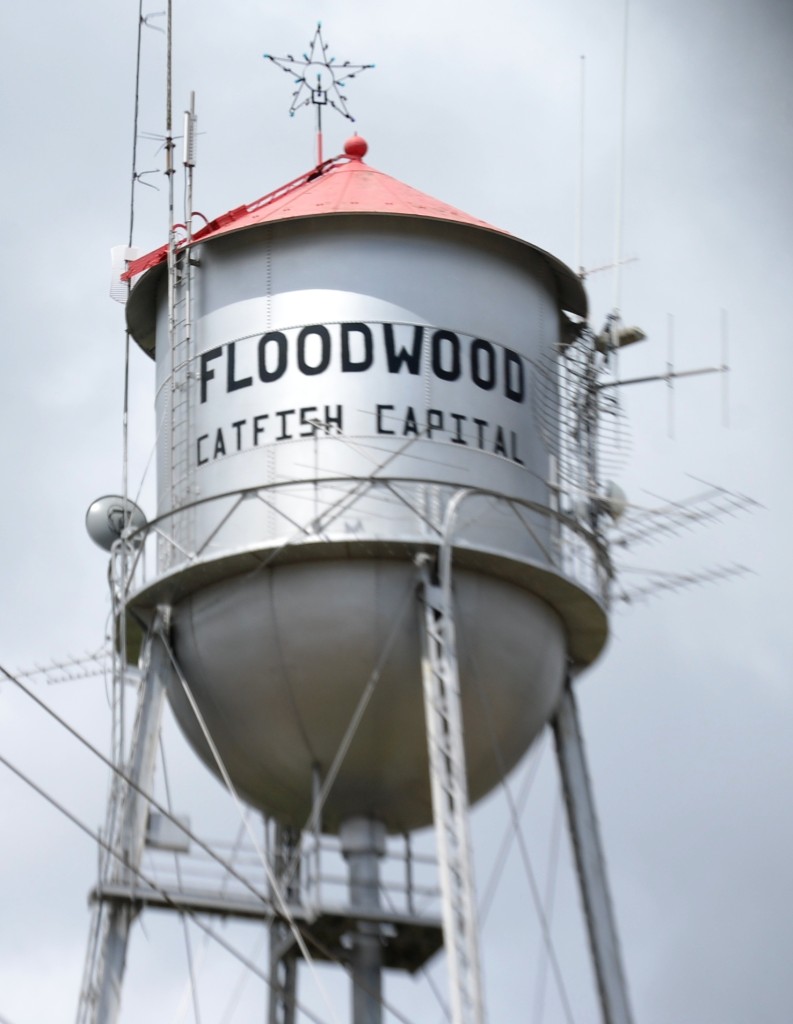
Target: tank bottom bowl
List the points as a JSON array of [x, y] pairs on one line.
[[278, 661]]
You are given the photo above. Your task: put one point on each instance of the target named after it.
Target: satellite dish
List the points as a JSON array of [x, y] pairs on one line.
[[109, 517]]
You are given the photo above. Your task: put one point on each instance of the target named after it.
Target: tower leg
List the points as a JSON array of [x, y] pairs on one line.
[[590, 862], [283, 961], [363, 844], [104, 990], [449, 788]]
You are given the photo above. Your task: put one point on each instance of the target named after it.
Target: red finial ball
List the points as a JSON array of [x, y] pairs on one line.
[[355, 148]]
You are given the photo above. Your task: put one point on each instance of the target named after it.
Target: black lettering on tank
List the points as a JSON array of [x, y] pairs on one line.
[[348, 364], [483, 364], [232, 383], [310, 423], [380, 428], [450, 357], [316, 331], [513, 445], [396, 358], [258, 427], [333, 421], [283, 415], [458, 430], [267, 372], [202, 459], [206, 373], [434, 421], [410, 426], [514, 383], [238, 425]]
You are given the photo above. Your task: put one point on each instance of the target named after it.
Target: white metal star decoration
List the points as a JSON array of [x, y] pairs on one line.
[[326, 90]]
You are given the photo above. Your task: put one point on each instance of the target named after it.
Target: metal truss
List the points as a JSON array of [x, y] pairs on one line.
[[450, 801]]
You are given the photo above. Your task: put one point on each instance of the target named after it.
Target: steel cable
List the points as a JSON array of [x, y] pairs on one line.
[[147, 880]]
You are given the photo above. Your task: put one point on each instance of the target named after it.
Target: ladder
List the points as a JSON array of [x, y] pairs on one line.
[[180, 489], [449, 789]]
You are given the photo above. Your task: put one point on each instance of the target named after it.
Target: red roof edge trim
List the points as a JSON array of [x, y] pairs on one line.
[[160, 255]]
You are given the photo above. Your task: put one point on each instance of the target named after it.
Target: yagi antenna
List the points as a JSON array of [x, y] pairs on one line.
[[627, 336]]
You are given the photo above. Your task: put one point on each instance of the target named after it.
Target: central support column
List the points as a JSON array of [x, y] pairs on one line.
[[363, 844]]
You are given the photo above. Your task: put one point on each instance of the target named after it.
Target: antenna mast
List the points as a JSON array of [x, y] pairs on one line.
[[621, 167], [579, 242]]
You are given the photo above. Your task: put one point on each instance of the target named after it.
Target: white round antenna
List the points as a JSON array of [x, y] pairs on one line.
[[615, 501], [107, 519]]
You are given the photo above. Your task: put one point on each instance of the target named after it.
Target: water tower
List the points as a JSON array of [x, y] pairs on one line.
[[354, 590]]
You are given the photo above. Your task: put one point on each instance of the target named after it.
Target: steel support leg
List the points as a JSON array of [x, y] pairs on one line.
[[283, 959], [112, 959], [363, 844], [449, 786], [590, 862]]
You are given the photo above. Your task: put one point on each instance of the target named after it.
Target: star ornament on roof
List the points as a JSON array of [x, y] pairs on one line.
[[319, 79]]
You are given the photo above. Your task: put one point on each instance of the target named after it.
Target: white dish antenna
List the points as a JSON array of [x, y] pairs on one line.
[[111, 517]]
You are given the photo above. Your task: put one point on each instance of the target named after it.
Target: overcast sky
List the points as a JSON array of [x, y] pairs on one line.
[[689, 714]]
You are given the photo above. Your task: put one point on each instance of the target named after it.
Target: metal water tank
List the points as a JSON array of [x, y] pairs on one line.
[[343, 357]]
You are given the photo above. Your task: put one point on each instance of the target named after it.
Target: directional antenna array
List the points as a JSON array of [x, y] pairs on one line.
[[578, 419], [319, 79]]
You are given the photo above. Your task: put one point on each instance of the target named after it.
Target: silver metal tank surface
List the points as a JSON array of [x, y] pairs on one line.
[[390, 348], [348, 374], [278, 661]]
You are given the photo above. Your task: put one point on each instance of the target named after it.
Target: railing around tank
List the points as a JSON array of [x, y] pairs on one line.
[[559, 540], [319, 879]]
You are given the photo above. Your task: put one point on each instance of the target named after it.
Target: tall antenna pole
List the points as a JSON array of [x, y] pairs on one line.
[[133, 181], [189, 165], [579, 242], [621, 167], [189, 162], [169, 168], [119, 680]]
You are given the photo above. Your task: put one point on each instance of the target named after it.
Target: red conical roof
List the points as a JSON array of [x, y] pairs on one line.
[[346, 185]]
